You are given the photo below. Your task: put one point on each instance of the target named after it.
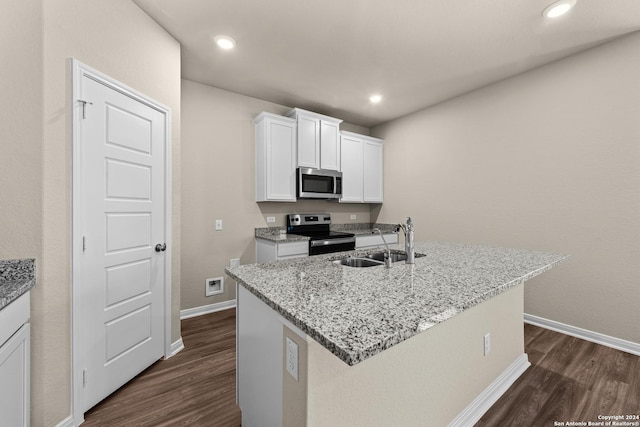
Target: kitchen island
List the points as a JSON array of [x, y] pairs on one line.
[[377, 346]]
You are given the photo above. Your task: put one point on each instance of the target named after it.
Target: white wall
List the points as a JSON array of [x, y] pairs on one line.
[[546, 160], [218, 173], [20, 121]]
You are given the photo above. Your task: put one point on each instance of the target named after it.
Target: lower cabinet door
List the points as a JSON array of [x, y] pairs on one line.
[[14, 379]]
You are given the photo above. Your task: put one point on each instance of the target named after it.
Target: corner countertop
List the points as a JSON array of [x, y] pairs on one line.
[[17, 276], [359, 229], [358, 312]]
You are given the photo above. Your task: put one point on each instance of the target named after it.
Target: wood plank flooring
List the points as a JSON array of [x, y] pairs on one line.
[[569, 380], [196, 387]]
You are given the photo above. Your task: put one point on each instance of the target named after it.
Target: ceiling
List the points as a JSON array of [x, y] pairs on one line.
[[329, 56]]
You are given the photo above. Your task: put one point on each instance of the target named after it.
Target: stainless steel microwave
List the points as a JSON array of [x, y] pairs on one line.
[[319, 184]]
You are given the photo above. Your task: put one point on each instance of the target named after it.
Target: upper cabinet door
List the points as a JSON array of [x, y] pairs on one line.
[[275, 158], [308, 142], [351, 166], [318, 140], [329, 145], [373, 171]]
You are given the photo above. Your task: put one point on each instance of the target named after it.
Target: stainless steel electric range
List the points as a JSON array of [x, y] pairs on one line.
[[321, 239]]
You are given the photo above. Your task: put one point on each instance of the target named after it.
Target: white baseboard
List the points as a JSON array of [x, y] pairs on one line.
[[596, 337], [67, 422], [481, 404], [206, 309], [176, 347]]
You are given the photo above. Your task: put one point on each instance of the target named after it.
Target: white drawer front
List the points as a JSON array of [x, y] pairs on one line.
[[293, 248], [13, 316]]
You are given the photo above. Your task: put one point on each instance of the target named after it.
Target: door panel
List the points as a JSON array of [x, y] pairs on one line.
[[127, 180], [128, 130], [123, 218], [128, 280]]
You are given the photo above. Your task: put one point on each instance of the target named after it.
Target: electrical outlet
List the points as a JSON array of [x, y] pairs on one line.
[[292, 358], [354, 216], [487, 344], [234, 262], [218, 224], [271, 219]]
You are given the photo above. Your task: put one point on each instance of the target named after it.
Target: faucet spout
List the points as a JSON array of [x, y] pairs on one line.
[[387, 255]]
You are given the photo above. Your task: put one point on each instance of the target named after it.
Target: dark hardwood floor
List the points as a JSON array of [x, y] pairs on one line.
[[569, 380], [196, 387]]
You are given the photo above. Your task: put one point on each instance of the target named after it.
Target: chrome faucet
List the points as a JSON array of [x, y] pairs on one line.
[[387, 255], [408, 241]]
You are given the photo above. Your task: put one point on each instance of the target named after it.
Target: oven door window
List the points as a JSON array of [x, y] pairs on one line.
[[317, 184]]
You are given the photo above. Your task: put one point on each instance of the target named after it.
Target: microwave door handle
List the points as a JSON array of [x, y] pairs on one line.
[[335, 185]]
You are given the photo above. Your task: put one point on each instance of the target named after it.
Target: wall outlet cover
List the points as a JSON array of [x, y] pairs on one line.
[[487, 344], [271, 219], [292, 358], [234, 262], [354, 216]]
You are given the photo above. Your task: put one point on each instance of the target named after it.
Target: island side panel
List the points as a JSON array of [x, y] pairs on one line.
[[259, 361], [428, 379]]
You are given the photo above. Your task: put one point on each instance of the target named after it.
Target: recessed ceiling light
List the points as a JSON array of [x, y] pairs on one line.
[[558, 8], [225, 42], [374, 99]]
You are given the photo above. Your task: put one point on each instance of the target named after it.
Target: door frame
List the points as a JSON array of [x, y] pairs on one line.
[[78, 71]]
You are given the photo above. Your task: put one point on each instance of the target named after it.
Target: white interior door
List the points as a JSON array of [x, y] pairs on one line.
[[123, 219]]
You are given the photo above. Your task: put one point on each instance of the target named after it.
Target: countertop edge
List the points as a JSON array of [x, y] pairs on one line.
[[352, 359], [17, 277]]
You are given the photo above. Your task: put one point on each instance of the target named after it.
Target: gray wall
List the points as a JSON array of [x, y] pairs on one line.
[[547, 160]]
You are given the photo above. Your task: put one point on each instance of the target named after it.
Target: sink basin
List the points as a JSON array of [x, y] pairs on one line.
[[395, 256], [359, 262]]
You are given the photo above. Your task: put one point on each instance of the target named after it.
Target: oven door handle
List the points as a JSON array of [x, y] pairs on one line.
[[332, 241]]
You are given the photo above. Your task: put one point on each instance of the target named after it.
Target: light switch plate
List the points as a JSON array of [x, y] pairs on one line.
[[292, 358], [218, 224]]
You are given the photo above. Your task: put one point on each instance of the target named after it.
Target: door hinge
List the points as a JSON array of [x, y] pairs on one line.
[[84, 378], [84, 107], [84, 243]]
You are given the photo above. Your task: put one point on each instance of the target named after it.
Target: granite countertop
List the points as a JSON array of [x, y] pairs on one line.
[[359, 229], [17, 277], [358, 312]]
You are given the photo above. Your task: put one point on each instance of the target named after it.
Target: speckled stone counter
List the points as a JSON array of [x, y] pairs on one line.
[[359, 229], [274, 234], [16, 278], [358, 312]]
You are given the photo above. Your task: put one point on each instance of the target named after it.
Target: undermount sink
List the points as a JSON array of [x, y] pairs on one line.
[[395, 256], [359, 262], [373, 260]]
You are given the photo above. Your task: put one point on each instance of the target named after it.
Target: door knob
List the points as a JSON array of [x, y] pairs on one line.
[[161, 247]]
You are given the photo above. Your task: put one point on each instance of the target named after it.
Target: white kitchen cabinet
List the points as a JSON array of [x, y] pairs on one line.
[[362, 168], [15, 363], [275, 158], [352, 172], [373, 171], [371, 240], [318, 140], [268, 250]]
